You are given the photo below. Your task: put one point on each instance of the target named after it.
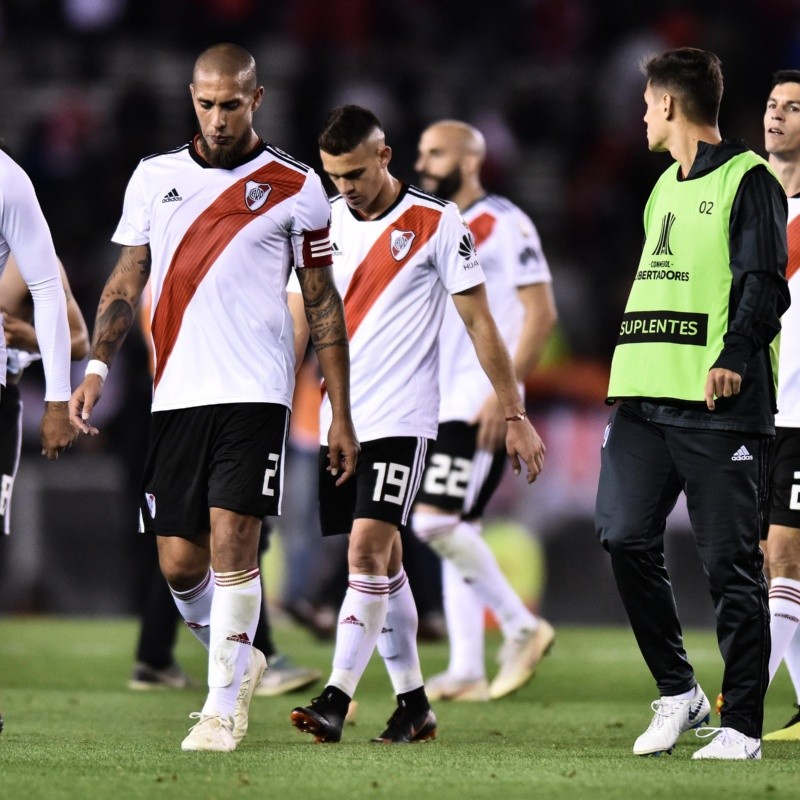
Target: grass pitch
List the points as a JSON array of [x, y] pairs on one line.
[[73, 729]]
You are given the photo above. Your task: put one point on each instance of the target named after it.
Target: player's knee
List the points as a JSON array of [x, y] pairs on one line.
[[620, 538], [429, 526]]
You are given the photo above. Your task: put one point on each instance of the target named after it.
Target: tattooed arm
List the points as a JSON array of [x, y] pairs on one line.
[[326, 324], [116, 314]]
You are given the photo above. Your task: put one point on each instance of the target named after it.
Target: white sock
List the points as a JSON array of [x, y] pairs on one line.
[[397, 642], [464, 613], [683, 695], [361, 619], [784, 609], [234, 616], [194, 606], [792, 659], [465, 548]]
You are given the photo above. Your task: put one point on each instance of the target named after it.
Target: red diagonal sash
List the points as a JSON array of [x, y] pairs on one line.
[[482, 227], [204, 241], [379, 267], [793, 240]]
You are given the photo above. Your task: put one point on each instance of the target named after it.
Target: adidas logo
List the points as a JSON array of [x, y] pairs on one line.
[[742, 454], [242, 638], [171, 196], [351, 620]]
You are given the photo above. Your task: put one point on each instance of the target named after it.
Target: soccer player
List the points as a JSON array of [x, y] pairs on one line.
[[398, 253], [24, 231], [216, 226], [693, 368], [22, 345], [466, 462], [782, 550]]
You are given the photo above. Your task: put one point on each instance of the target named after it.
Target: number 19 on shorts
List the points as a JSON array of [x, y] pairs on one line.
[[391, 483]]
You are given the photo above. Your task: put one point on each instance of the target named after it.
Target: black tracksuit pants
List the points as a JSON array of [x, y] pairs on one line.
[[644, 467]]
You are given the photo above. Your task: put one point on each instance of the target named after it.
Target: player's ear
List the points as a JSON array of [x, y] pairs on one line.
[[385, 155], [258, 97]]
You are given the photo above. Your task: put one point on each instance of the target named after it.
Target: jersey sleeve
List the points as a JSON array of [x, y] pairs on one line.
[[134, 225], [311, 225], [28, 236], [530, 264], [456, 259]]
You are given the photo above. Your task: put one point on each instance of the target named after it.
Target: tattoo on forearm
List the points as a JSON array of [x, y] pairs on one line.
[[324, 310], [114, 320], [117, 310]]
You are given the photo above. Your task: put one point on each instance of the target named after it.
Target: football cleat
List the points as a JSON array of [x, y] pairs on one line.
[[728, 745], [256, 665], [519, 658], [670, 720], [322, 718], [446, 687], [790, 732], [144, 677], [283, 676], [405, 726], [211, 732]]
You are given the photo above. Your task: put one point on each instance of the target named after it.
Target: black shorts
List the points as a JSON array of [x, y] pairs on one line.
[[784, 479], [10, 440], [386, 482], [222, 456], [459, 477]]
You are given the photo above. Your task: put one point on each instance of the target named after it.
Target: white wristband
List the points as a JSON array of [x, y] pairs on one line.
[[97, 367]]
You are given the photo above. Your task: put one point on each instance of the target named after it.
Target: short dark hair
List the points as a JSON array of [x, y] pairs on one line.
[[345, 128], [785, 76], [695, 78]]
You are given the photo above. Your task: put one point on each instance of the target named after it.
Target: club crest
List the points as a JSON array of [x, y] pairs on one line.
[[400, 244], [256, 194]]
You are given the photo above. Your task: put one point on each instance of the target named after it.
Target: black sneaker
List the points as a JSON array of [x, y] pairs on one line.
[[323, 718], [405, 726]]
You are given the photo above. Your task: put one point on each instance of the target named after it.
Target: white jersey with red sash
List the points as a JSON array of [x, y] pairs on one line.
[[511, 255], [223, 242], [394, 274], [788, 415]]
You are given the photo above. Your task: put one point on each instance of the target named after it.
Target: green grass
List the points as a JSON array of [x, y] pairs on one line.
[[74, 731]]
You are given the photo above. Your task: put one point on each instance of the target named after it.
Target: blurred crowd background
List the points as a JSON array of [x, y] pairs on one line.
[[88, 87]]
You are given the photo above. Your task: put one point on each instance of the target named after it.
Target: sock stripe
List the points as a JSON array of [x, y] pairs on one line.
[[192, 594], [369, 588], [230, 579], [784, 593], [398, 582]]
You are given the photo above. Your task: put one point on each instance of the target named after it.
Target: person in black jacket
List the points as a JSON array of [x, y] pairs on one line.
[[693, 368]]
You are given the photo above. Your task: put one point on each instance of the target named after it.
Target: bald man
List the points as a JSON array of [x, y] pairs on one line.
[[216, 225], [466, 463]]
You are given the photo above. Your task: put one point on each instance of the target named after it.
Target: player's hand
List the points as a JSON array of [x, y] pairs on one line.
[[492, 425], [524, 443], [19, 334], [55, 430], [343, 450], [82, 403], [721, 383]]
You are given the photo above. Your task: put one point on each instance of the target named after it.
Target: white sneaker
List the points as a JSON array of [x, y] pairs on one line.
[[445, 686], [253, 673], [728, 744], [671, 719], [284, 676], [211, 732], [519, 658]]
